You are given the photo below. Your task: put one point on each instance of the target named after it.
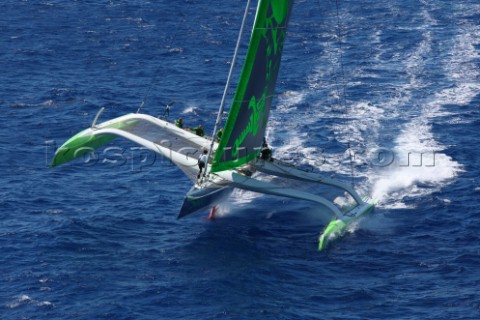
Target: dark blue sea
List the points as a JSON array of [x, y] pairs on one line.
[[381, 94]]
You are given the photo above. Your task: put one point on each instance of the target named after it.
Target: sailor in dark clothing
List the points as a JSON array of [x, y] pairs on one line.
[[179, 123], [219, 134], [266, 152], [198, 130]]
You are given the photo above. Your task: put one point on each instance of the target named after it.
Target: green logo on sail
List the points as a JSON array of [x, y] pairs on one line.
[[254, 122]]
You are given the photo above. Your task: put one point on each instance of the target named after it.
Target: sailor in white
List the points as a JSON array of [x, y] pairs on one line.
[[202, 162]]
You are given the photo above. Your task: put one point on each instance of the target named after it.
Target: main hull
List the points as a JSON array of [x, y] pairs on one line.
[[202, 198]]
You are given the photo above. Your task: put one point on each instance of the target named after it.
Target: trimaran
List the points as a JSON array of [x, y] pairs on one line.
[[234, 160]]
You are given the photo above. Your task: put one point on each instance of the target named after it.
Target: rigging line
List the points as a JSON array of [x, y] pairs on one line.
[[341, 56], [344, 91], [230, 72], [351, 154], [334, 75]]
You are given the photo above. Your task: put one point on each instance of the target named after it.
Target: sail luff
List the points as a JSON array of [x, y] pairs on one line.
[[247, 120], [232, 65]]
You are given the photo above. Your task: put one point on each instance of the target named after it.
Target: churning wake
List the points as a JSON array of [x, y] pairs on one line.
[[388, 139]]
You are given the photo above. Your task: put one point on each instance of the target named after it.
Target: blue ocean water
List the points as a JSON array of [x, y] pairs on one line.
[[394, 83]]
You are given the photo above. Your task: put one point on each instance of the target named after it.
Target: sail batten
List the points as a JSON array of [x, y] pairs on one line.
[[247, 120]]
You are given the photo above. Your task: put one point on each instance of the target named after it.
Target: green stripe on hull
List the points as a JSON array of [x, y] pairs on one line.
[[81, 144], [337, 228], [78, 146]]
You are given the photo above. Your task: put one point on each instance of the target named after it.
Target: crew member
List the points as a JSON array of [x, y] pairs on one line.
[[179, 123], [219, 134], [266, 152], [202, 162], [198, 130]]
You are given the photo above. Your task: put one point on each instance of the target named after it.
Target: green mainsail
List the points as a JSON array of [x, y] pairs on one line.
[[247, 120]]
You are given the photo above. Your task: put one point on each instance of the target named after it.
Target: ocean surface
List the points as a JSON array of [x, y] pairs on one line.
[[382, 94]]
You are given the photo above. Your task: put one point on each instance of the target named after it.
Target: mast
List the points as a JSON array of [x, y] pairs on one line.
[[222, 103]]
